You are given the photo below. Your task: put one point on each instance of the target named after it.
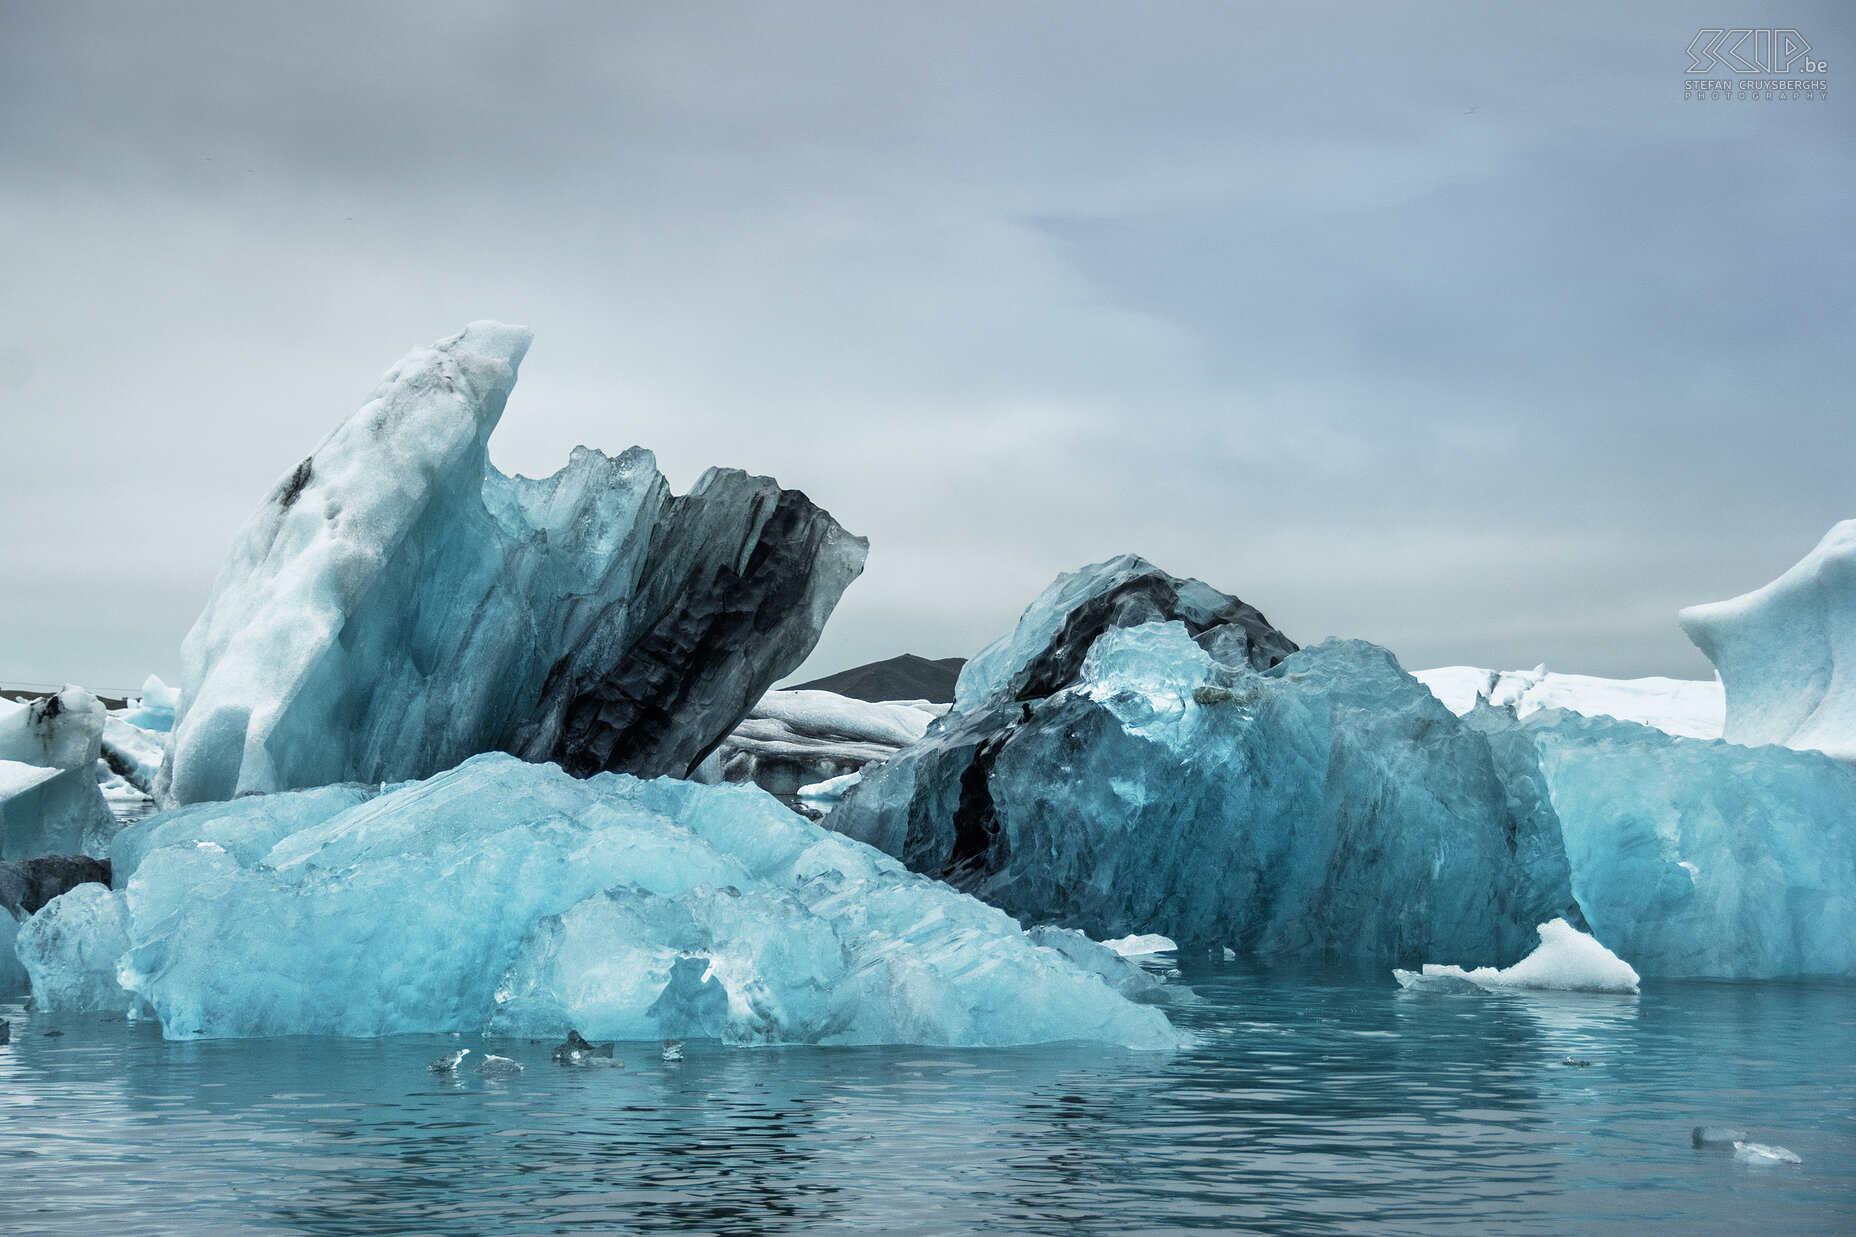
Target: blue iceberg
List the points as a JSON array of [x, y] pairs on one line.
[[1121, 764], [397, 604], [510, 897]]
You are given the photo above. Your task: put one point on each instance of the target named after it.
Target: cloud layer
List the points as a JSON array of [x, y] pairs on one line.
[[1451, 327]]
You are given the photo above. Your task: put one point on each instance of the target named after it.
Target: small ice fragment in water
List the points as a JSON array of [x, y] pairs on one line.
[[673, 1050], [1716, 1136], [448, 1064], [1759, 1153], [1437, 979], [1577, 1061], [577, 1051], [1566, 959], [1148, 943], [1230, 955], [493, 1064]]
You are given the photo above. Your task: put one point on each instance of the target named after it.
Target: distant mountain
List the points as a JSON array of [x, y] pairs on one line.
[[907, 677]]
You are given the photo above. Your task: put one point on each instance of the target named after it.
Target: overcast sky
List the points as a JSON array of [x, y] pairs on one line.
[[1453, 327]]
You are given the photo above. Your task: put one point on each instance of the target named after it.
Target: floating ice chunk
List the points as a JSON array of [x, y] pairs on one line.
[[52, 811], [510, 895], [1145, 943], [1701, 859], [1787, 652], [577, 1050], [49, 801], [71, 949], [829, 715], [1330, 806], [1692, 708], [673, 1050], [1717, 1136], [794, 739], [1125, 977], [61, 731], [493, 1064], [397, 604], [132, 753], [153, 710], [448, 1064], [1760, 1155], [1567, 959], [830, 792]]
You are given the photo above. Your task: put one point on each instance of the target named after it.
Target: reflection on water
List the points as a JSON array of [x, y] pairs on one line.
[[1314, 1103]]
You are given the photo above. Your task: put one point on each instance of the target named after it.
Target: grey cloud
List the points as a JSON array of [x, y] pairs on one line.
[[1451, 326]]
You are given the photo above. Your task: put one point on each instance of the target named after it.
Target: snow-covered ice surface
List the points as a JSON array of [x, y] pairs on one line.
[[830, 792], [49, 800], [1692, 708], [397, 604], [1143, 944], [1567, 959], [792, 740], [508, 895], [1787, 652]]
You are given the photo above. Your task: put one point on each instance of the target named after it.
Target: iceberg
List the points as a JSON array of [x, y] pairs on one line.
[[49, 800], [1691, 708], [1692, 858], [1568, 960], [1786, 653], [509, 896], [397, 604], [133, 754], [71, 949], [1146, 755], [153, 710], [794, 739], [1140, 778]]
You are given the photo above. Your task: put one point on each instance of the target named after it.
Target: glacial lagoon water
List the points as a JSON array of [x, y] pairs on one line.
[[1316, 1102]]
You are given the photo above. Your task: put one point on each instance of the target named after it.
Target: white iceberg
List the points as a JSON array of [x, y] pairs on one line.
[[1567, 960], [1141, 945], [796, 739], [1787, 652], [1693, 708], [49, 800]]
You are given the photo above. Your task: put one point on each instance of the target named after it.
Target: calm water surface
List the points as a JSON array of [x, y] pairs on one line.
[[1315, 1103]]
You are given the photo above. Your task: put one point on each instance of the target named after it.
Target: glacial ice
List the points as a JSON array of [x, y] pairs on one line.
[[1762, 1156], [1120, 592], [1141, 945], [509, 896], [793, 739], [1127, 778], [829, 793], [397, 604], [1691, 708], [72, 949], [132, 753], [1786, 653], [1316, 802], [153, 710], [1692, 858], [49, 801], [1568, 960]]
